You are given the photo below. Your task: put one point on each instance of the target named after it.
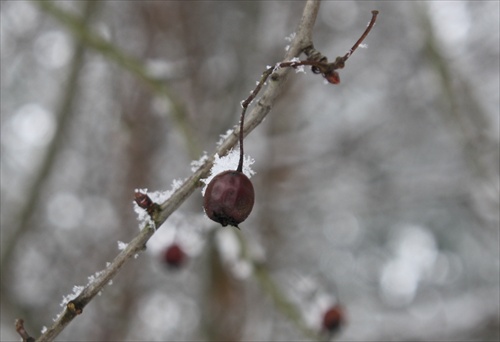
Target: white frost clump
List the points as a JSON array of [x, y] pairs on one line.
[[196, 164], [122, 245], [68, 298], [300, 68], [223, 137], [229, 162], [93, 277], [289, 38]]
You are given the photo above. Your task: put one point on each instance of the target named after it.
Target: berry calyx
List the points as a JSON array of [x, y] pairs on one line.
[[174, 256], [229, 198]]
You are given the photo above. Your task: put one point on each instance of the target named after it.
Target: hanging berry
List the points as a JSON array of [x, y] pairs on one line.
[[229, 196]]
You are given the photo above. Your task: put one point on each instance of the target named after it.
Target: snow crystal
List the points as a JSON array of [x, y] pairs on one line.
[[295, 60], [277, 66], [229, 162], [44, 329], [94, 277], [196, 164], [142, 216], [290, 37], [77, 289], [363, 46], [122, 245], [287, 47], [299, 69], [224, 136], [162, 196]]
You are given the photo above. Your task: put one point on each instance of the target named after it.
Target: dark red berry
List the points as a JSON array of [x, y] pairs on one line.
[[229, 198], [333, 318], [174, 256]]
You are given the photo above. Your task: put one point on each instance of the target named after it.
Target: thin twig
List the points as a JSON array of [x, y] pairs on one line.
[[363, 36]]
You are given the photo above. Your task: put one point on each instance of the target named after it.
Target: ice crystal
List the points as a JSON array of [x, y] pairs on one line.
[[196, 164], [224, 136], [122, 245], [290, 37], [77, 289], [93, 278]]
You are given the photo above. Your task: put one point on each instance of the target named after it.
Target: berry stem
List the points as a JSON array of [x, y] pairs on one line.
[[242, 120]]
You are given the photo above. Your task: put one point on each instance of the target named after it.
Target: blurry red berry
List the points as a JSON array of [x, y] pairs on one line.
[[333, 318], [174, 256], [229, 198]]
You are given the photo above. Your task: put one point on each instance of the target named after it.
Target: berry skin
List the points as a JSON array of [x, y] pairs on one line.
[[333, 319], [174, 256], [229, 198]]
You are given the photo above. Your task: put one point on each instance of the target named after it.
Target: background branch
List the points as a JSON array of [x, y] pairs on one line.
[[92, 40], [64, 114]]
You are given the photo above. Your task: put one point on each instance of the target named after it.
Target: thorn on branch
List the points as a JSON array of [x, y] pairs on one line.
[[22, 331]]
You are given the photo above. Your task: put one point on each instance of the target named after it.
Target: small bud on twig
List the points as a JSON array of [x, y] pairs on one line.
[[146, 203]]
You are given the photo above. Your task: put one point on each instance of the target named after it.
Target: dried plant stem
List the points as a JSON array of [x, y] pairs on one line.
[[302, 40]]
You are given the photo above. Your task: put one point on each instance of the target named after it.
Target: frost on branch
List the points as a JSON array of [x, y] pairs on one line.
[[229, 162], [77, 289], [196, 164], [289, 38], [224, 136]]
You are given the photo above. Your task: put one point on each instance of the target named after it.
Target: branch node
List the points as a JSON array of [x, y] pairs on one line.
[[75, 307]]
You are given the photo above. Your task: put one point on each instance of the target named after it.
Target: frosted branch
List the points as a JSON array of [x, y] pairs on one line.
[[75, 307]]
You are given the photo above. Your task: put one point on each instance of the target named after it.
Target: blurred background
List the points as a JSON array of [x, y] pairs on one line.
[[380, 193]]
